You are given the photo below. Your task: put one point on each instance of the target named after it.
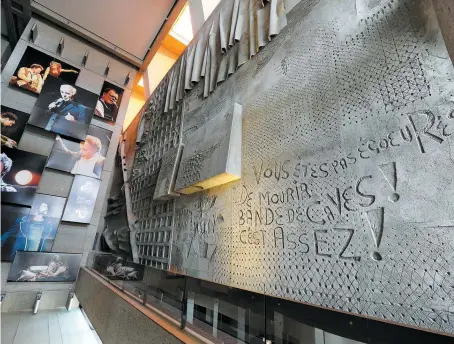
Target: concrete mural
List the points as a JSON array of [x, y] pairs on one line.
[[212, 156], [346, 192]]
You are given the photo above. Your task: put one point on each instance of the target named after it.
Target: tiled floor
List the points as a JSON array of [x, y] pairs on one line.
[[47, 327]]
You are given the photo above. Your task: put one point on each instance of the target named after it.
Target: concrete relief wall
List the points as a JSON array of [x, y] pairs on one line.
[[70, 237], [346, 194]]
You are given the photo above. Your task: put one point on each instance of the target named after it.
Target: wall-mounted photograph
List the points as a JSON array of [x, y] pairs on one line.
[[35, 232], [81, 200], [109, 102], [85, 157], [12, 217], [36, 67], [12, 123], [20, 175], [64, 109], [117, 268], [44, 267]]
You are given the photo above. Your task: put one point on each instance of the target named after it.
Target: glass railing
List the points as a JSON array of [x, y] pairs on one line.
[[224, 314]]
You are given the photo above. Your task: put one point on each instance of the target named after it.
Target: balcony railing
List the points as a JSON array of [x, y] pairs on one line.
[[224, 314]]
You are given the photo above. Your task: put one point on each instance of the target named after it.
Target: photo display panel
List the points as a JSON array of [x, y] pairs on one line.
[[13, 124], [109, 102], [12, 218], [32, 229], [44, 267], [81, 201], [64, 109], [116, 268], [20, 175], [36, 68], [86, 157]]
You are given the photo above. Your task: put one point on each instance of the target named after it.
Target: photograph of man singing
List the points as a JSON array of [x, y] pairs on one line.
[[62, 113]]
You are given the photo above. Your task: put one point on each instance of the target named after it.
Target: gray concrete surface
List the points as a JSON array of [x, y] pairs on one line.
[[345, 199]]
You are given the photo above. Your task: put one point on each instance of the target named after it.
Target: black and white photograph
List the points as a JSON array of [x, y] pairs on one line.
[[109, 102], [81, 200], [36, 67], [64, 109], [20, 175], [117, 268], [13, 216], [85, 157], [44, 267], [35, 232], [13, 124]]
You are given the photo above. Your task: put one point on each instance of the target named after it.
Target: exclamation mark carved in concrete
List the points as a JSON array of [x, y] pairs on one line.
[[389, 171], [375, 219]]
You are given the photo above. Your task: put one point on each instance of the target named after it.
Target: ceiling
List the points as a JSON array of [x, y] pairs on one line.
[[127, 26]]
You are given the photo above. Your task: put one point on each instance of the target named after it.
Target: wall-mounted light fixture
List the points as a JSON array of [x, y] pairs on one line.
[[128, 78], [61, 46], [84, 59], [106, 72], [37, 301], [69, 300], [33, 33]]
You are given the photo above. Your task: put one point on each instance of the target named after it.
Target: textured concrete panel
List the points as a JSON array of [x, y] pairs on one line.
[[55, 183], [212, 153], [165, 184], [37, 141], [12, 287], [70, 238], [4, 273], [23, 103], [113, 149], [12, 63], [90, 81], [19, 301], [101, 199], [53, 299], [445, 12], [345, 199]]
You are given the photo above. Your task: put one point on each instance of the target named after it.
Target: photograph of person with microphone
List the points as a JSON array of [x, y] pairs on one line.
[[64, 109]]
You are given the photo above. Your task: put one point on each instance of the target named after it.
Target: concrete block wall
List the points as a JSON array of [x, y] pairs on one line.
[[116, 320], [70, 237]]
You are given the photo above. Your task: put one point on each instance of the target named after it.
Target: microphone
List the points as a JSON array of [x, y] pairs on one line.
[[59, 102]]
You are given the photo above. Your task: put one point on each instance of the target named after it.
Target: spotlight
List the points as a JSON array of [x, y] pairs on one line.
[[23, 177]]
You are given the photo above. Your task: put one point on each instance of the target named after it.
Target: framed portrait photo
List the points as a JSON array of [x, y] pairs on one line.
[[34, 231], [13, 124], [85, 157], [35, 67], [109, 102], [44, 267], [12, 217], [20, 175], [81, 200], [117, 268], [64, 109]]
